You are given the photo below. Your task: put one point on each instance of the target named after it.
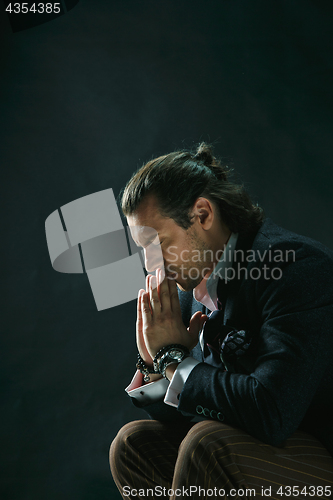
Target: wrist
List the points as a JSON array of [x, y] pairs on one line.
[[170, 370], [169, 355], [146, 370]]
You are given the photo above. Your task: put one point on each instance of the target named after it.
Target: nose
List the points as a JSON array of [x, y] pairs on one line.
[[153, 258]]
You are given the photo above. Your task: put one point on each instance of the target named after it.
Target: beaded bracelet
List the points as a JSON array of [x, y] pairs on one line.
[[144, 369]]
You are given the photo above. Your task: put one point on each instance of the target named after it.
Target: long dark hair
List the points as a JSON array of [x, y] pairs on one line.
[[178, 179]]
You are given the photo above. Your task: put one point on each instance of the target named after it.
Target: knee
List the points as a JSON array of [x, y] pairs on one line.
[[121, 442], [127, 447], [119, 452], [202, 438], [128, 439]]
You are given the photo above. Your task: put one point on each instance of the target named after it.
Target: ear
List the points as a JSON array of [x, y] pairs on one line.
[[204, 211]]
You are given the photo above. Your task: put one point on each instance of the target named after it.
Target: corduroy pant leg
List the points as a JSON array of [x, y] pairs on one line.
[[143, 456], [226, 462]]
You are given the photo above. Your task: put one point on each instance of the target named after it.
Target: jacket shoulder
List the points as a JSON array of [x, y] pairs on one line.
[[272, 236]]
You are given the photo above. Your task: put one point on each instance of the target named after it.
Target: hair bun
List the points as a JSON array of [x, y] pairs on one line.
[[204, 154]]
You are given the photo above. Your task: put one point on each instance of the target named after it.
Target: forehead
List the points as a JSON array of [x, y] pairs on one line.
[[148, 215]]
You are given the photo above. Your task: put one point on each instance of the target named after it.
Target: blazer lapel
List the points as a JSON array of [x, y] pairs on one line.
[[227, 291]]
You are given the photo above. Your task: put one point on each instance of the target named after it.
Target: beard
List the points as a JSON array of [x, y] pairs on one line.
[[190, 276]]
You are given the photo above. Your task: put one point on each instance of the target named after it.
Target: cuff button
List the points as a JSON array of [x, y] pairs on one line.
[[206, 412]]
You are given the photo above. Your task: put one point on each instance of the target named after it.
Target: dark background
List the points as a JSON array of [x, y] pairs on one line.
[[85, 99]]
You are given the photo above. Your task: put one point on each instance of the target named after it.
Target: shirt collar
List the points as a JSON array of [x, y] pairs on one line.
[[206, 291]]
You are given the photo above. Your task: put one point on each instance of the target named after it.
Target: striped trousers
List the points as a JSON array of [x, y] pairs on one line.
[[152, 459]]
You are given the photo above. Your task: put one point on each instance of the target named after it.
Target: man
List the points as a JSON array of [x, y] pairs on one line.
[[250, 411]]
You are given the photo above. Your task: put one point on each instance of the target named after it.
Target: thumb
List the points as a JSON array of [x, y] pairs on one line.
[[203, 320], [196, 323]]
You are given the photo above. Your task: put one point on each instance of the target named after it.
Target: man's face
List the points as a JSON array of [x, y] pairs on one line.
[[185, 254]]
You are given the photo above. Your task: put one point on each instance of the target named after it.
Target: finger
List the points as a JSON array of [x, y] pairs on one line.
[[162, 273], [139, 319], [148, 279], [138, 311], [153, 295], [174, 299], [145, 310], [147, 282], [164, 292]]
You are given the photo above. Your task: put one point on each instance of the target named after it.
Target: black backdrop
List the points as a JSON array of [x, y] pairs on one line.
[[87, 98]]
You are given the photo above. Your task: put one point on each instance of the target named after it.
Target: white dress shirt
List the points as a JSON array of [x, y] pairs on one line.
[[206, 294]]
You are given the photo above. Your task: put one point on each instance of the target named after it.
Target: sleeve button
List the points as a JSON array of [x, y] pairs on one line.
[[206, 412], [220, 416], [199, 409], [213, 414]]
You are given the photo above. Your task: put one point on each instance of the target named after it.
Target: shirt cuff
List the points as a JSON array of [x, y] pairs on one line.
[[178, 380], [146, 393]]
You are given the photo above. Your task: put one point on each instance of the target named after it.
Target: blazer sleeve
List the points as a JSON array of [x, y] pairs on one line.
[[294, 351]]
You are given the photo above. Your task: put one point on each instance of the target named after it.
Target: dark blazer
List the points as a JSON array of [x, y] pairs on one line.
[[284, 381]]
